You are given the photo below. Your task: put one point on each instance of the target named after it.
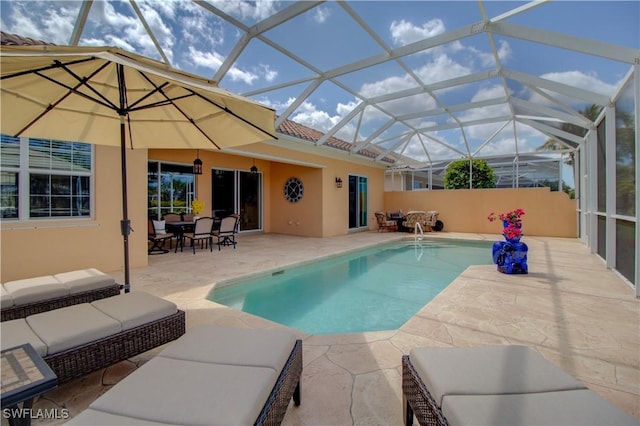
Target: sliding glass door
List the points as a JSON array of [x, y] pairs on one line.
[[358, 202], [238, 191]]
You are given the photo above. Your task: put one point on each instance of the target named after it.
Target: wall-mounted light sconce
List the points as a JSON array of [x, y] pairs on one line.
[[338, 182], [197, 164], [254, 169]]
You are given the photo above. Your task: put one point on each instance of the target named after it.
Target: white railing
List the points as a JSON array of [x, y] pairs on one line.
[[418, 251], [417, 227]]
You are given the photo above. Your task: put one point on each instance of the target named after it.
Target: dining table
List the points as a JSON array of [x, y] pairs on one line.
[[398, 219], [179, 228]]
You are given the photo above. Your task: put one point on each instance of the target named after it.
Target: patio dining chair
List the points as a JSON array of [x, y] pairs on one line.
[[226, 234], [172, 217], [201, 233], [158, 237]]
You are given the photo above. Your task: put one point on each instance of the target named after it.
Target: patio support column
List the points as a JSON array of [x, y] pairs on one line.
[[592, 189], [610, 148], [581, 192], [636, 90]]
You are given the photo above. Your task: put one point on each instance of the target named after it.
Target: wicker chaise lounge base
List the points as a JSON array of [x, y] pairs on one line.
[[210, 376], [79, 339], [29, 296], [498, 385]]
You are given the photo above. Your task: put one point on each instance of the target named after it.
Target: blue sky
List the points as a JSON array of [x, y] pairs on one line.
[[327, 37]]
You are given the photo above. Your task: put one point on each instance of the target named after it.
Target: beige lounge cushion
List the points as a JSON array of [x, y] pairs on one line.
[[17, 332], [31, 290], [135, 308], [72, 326], [100, 418], [488, 370], [6, 301], [84, 280], [234, 346], [190, 393], [575, 407]]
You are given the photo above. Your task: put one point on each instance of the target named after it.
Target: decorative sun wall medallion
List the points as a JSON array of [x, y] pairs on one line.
[[293, 190]]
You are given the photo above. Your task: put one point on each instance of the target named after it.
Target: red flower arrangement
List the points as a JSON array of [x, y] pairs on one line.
[[512, 223]]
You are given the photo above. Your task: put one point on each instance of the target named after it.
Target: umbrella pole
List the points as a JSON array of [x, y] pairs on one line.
[[125, 223]]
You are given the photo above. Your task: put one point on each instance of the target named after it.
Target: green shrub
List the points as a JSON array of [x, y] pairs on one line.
[[457, 175]]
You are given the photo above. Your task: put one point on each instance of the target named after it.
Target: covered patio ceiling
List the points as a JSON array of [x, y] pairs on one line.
[[410, 84]]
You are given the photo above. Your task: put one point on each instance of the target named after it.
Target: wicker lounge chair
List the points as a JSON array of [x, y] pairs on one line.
[[385, 223], [251, 377], [497, 385], [29, 296], [79, 339], [427, 220]]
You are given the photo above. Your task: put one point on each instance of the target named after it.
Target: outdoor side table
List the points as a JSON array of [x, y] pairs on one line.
[[25, 375]]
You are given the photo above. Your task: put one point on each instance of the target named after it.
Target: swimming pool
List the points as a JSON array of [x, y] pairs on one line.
[[369, 290]]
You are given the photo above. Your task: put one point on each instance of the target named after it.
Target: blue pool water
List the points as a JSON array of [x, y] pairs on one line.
[[370, 290]]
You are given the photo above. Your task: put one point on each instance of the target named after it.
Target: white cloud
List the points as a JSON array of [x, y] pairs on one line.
[[269, 74], [251, 10], [321, 14], [197, 27], [309, 115], [41, 20], [118, 29], [404, 32], [162, 30], [345, 108], [441, 68], [504, 51], [486, 59], [213, 60], [277, 105], [492, 92], [578, 79]]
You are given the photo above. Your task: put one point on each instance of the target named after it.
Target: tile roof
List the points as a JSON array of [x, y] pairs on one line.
[[291, 128], [16, 40]]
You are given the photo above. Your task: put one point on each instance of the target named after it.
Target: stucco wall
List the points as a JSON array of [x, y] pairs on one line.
[[324, 209], [547, 213], [44, 247]]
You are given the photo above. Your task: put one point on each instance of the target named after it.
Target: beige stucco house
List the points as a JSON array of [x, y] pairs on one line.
[[46, 246]]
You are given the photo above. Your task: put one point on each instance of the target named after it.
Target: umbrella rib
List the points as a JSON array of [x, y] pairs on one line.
[[170, 100], [157, 89], [65, 96], [48, 67], [227, 110], [84, 81], [223, 108]]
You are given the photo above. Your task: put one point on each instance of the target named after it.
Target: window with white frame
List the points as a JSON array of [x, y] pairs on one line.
[[44, 179]]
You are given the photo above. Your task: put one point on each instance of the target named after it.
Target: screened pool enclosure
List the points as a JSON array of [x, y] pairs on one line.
[[547, 92]]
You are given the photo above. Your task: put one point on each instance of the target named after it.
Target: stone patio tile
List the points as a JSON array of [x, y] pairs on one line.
[[326, 396], [365, 357], [369, 390]]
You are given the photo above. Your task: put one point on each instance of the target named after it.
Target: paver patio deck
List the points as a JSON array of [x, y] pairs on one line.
[[576, 313]]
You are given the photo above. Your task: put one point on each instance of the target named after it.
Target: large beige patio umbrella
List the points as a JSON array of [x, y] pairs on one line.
[[108, 96]]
